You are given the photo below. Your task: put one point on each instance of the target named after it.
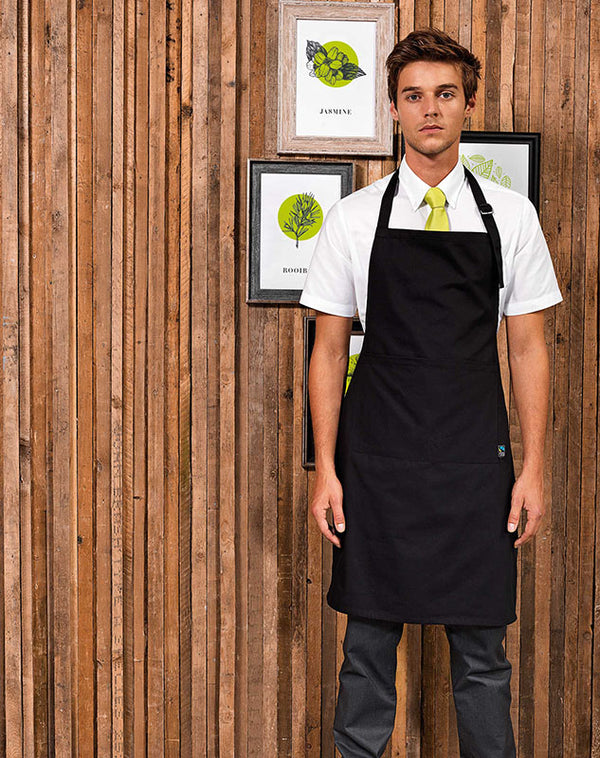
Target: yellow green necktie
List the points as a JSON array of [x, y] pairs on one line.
[[438, 218]]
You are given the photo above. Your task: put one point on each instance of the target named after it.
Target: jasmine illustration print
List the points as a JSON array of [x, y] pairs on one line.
[[334, 63], [335, 82]]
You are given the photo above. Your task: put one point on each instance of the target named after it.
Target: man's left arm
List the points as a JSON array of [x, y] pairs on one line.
[[529, 371]]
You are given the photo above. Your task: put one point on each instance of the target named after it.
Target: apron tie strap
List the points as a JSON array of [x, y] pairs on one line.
[[486, 211]]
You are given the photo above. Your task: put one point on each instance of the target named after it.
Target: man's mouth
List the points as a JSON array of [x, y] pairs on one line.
[[430, 128]]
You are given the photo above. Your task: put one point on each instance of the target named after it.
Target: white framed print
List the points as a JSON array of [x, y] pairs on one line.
[[511, 159], [332, 77], [287, 204]]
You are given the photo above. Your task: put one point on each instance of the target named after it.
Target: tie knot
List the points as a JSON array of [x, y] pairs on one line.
[[435, 198]]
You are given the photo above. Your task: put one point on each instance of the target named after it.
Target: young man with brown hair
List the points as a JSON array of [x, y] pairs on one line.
[[415, 460]]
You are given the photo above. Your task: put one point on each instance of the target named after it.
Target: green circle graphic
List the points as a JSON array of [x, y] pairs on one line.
[[300, 217], [328, 67]]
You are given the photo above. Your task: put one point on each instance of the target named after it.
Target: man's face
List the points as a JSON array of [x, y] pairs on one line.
[[430, 106]]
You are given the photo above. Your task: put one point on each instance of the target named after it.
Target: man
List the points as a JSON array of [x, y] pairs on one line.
[[415, 460]]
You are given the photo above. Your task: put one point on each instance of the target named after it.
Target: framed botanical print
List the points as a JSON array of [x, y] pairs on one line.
[[511, 159], [332, 77], [288, 202]]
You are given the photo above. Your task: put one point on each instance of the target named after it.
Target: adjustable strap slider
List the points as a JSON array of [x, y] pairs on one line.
[[486, 209]]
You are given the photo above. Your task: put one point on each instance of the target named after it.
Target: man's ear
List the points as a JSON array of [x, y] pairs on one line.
[[393, 111], [469, 107]]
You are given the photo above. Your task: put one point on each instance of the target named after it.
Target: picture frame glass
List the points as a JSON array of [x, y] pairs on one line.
[[504, 163], [292, 210], [335, 78]]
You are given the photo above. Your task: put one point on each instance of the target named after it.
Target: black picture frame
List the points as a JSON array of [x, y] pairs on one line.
[[530, 140], [308, 442], [257, 169]]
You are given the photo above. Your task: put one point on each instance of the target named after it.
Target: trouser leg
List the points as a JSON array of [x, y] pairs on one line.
[[481, 687], [366, 705]]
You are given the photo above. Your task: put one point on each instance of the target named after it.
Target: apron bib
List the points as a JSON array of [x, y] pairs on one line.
[[423, 450]]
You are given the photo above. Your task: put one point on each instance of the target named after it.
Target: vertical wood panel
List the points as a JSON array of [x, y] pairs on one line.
[[175, 466], [39, 321], [101, 370], [197, 135], [185, 381], [141, 387], [63, 570], [163, 579], [85, 380], [156, 377], [23, 256], [9, 392], [130, 664], [117, 379]]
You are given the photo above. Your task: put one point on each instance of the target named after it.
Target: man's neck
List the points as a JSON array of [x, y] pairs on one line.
[[431, 169]]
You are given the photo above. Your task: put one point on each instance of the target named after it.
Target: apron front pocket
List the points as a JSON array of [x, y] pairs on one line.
[[423, 410]]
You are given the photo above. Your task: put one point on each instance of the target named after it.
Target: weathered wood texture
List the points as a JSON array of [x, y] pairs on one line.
[[162, 585]]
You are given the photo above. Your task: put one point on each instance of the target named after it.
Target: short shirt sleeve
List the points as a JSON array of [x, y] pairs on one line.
[[533, 285], [329, 284]]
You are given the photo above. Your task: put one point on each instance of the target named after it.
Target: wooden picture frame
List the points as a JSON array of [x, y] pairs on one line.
[[279, 256], [356, 337], [332, 78]]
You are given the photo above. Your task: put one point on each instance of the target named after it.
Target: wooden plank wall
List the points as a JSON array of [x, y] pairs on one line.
[[162, 586]]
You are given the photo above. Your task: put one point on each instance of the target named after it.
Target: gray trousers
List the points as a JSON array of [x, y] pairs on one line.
[[366, 705]]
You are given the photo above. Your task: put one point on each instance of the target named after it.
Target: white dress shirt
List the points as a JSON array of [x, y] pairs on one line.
[[337, 277]]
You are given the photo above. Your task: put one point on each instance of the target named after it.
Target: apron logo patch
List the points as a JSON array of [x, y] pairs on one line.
[[501, 451]]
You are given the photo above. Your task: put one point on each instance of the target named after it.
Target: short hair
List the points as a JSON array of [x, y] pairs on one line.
[[432, 44]]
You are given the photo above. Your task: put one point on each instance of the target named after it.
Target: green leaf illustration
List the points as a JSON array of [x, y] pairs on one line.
[[487, 169], [312, 48], [334, 63], [351, 71], [305, 212], [483, 169]]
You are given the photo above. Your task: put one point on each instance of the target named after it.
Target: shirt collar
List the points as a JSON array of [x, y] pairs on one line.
[[416, 188]]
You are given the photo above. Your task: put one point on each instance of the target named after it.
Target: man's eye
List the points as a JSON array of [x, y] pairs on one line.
[[447, 95], [412, 97]]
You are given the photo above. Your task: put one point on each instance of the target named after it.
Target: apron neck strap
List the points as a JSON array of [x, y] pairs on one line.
[[486, 211], [386, 203]]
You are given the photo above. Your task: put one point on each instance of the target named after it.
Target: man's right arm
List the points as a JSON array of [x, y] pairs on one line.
[[326, 379]]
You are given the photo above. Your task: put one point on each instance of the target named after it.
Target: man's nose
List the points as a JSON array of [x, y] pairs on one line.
[[430, 106]]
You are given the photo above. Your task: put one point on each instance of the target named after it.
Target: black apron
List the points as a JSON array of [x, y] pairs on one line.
[[423, 450]]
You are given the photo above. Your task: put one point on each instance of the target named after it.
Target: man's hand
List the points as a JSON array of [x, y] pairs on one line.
[[326, 378], [528, 358], [528, 493], [328, 494]]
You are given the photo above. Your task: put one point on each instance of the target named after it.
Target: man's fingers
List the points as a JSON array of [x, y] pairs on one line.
[[327, 530], [527, 534], [319, 512], [516, 506], [338, 514], [531, 527]]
